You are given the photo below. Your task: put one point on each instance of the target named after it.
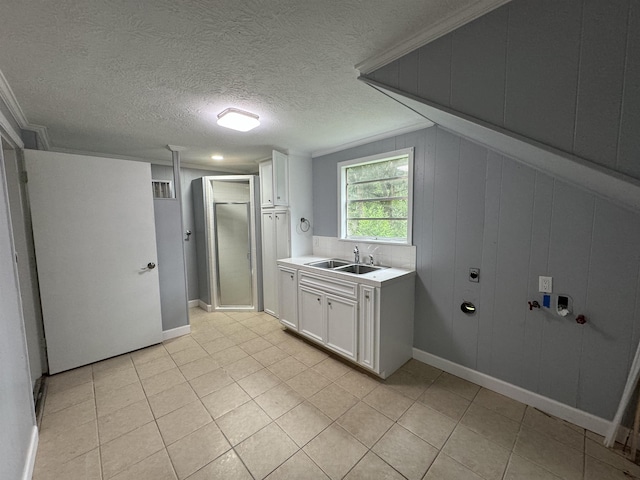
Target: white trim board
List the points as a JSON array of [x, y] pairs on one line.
[[374, 138], [607, 183], [429, 34], [176, 332], [30, 461], [205, 307], [565, 412], [193, 303]]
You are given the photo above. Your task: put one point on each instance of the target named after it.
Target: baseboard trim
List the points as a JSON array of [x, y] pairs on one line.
[[31, 455], [176, 332], [548, 405], [193, 303], [205, 307]]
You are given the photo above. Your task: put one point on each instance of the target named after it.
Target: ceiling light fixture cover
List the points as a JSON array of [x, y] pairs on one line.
[[238, 119], [217, 157]]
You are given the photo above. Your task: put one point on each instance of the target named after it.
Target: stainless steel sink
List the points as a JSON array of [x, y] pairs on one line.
[[358, 269], [329, 264]]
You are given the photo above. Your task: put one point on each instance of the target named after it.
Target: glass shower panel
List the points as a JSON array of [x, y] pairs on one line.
[[233, 254]]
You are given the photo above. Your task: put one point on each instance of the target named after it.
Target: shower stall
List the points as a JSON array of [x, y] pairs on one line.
[[227, 223]]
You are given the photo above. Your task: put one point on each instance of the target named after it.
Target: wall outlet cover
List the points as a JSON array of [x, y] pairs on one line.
[[545, 284]]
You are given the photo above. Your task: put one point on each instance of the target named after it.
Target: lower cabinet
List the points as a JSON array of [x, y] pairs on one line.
[[311, 315], [288, 294], [342, 325], [372, 326], [367, 327]]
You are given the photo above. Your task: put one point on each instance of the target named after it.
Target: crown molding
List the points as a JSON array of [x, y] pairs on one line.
[[422, 124], [429, 34], [42, 133], [10, 100]]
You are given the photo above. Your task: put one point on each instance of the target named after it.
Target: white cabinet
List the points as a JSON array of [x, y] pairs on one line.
[[274, 181], [312, 314], [288, 294], [367, 327], [266, 183], [368, 324], [328, 312], [275, 245], [342, 323]]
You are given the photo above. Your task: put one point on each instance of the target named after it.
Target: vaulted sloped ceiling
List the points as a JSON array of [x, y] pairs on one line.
[[127, 77]]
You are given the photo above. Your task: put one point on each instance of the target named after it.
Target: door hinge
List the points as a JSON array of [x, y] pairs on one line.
[[24, 178]]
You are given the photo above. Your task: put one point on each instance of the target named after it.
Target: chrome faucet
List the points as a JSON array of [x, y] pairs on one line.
[[356, 254], [371, 259]]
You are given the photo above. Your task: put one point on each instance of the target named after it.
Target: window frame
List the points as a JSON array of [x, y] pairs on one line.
[[342, 197]]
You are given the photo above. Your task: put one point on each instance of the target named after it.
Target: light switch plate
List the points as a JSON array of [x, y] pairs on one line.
[[545, 284]]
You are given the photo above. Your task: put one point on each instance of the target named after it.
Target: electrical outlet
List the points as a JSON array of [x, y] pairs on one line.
[[545, 284]]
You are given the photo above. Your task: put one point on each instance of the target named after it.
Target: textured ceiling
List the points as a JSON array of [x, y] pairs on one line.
[[127, 77]]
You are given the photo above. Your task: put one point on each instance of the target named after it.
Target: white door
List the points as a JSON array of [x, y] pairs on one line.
[[288, 295], [311, 314], [342, 321], [94, 236]]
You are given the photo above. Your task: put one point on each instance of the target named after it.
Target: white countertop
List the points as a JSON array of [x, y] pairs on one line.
[[376, 279]]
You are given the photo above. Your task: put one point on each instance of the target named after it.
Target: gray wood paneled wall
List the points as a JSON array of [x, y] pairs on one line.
[[562, 72], [476, 208]]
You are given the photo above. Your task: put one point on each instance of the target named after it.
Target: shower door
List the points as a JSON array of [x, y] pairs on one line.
[[233, 254]]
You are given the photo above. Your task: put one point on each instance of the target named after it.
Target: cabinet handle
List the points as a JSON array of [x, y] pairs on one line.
[[366, 295], [329, 303], [278, 198], [291, 277], [318, 299], [270, 217]]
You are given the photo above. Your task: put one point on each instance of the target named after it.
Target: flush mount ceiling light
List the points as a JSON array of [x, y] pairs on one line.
[[238, 120], [217, 157]]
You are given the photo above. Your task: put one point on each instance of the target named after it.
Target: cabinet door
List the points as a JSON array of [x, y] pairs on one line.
[[266, 184], [342, 322], [283, 248], [269, 291], [311, 316], [288, 294], [280, 178], [367, 328]]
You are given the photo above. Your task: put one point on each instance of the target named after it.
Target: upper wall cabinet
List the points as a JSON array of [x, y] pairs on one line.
[[274, 181]]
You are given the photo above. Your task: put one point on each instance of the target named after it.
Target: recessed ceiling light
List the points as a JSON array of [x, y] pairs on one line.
[[217, 157], [238, 119]]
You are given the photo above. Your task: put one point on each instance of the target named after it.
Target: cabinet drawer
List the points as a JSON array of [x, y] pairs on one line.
[[329, 284]]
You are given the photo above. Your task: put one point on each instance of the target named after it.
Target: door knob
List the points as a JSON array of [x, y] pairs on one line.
[[151, 265]]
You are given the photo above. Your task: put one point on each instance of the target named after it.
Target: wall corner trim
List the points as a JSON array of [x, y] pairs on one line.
[[571, 414], [429, 33], [30, 461], [605, 182], [176, 332]]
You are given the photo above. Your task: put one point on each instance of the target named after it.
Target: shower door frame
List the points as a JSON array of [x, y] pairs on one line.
[[256, 281]]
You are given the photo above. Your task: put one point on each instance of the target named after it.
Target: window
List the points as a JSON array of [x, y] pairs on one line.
[[375, 195]]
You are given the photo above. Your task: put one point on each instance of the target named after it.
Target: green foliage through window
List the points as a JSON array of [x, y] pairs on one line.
[[376, 199]]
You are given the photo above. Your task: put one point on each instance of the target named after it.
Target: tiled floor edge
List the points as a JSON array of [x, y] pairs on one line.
[[571, 414]]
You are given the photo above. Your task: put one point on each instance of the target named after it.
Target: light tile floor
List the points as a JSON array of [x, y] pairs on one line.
[[239, 398]]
